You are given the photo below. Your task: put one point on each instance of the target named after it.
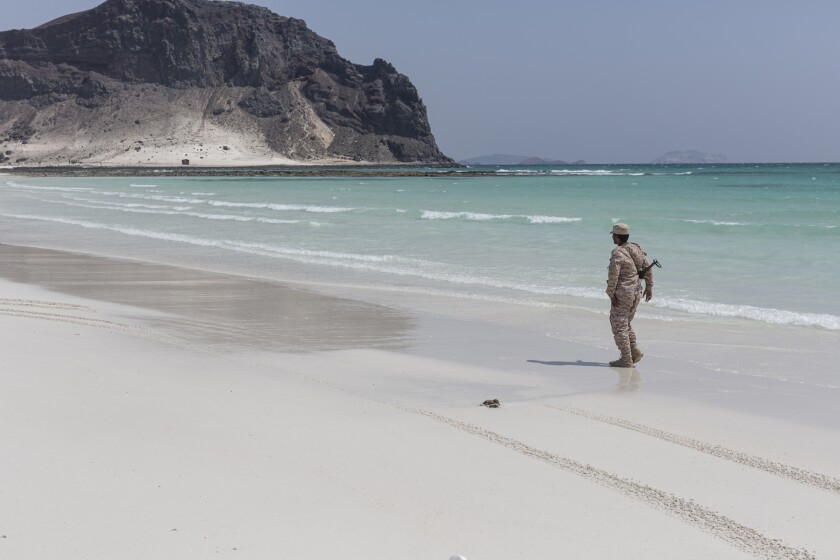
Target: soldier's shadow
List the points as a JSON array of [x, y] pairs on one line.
[[575, 363]]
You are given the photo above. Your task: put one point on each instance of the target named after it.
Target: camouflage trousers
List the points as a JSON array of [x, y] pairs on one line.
[[620, 317]]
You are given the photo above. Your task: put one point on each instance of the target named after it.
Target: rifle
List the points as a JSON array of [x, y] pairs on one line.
[[644, 270]]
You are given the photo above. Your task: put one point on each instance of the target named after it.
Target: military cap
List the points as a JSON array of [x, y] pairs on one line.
[[621, 229]]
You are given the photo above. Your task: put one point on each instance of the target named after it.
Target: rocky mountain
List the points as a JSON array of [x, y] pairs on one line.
[[507, 159], [135, 82], [689, 156]]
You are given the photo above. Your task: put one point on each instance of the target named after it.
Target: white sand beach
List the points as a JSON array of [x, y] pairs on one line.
[[252, 420]]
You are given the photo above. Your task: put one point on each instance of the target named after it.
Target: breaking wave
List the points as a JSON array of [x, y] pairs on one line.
[[570, 172], [479, 217]]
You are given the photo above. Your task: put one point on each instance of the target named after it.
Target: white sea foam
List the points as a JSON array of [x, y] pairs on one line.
[[16, 185], [120, 229], [777, 225], [281, 207], [331, 256], [551, 219], [118, 204], [474, 216], [766, 315], [221, 217], [139, 186], [479, 217], [155, 197], [402, 266], [176, 211], [570, 172], [716, 222]]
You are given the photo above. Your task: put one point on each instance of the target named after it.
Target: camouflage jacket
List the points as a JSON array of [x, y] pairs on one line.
[[625, 262]]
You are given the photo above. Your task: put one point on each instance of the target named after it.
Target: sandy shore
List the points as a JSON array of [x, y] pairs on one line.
[[150, 411]]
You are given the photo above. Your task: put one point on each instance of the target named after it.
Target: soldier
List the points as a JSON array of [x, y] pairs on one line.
[[624, 288]]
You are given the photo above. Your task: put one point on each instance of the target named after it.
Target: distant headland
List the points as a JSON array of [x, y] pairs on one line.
[[688, 156], [507, 159]]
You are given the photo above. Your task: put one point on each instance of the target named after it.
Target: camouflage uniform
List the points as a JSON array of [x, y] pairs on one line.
[[623, 282]]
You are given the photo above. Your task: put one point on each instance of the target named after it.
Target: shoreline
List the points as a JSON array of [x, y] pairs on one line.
[[296, 170], [727, 349], [170, 440]]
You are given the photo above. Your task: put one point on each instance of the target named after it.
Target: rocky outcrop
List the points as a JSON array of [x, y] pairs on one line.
[[265, 78]]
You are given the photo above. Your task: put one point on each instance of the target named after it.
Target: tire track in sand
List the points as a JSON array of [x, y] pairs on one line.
[[23, 309], [740, 536], [776, 468], [6, 302]]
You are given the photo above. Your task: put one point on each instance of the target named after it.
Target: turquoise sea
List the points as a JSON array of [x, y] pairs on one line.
[[754, 242]]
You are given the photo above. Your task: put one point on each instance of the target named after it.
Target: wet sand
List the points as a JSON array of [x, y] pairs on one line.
[[210, 308]]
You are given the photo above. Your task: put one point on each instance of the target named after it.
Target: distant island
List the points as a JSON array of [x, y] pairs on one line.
[[688, 156], [507, 159], [199, 82]]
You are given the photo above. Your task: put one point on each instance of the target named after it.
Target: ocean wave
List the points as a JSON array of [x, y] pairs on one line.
[[204, 216], [473, 216], [479, 217], [119, 229], [329, 255], [716, 222], [150, 234], [155, 197], [139, 186], [418, 268], [281, 207], [742, 224], [117, 204], [16, 185], [571, 172], [551, 219], [176, 211], [763, 314]]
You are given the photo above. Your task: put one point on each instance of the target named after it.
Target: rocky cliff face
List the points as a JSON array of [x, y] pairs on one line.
[[223, 70]]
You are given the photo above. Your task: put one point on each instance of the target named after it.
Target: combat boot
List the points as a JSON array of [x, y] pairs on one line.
[[636, 354], [624, 361]]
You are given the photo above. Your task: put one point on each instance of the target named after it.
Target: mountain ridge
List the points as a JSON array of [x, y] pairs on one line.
[[688, 156], [508, 159]]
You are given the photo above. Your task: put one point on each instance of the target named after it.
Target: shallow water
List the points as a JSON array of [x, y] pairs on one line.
[[755, 242]]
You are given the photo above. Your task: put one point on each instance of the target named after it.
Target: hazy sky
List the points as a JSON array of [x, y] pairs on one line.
[[604, 81]]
